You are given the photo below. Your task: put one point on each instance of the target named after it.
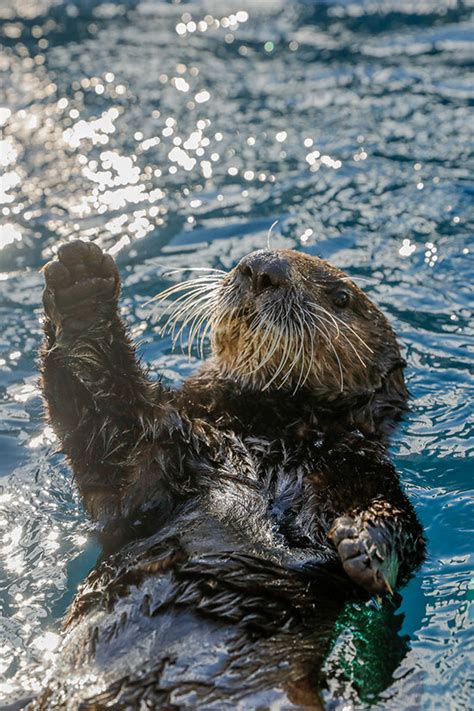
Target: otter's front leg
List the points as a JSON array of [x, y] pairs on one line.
[[98, 399], [379, 545]]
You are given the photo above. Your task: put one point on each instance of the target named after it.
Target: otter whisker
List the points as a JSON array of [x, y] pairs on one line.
[[223, 317], [197, 324], [247, 357], [186, 302], [255, 328], [297, 354], [370, 280], [353, 347], [329, 341], [193, 335], [278, 326], [310, 334], [193, 269], [310, 360], [356, 352], [186, 286], [202, 277], [340, 368], [349, 328], [178, 333], [190, 294], [181, 307], [329, 315], [272, 348], [188, 290], [336, 322], [288, 343], [269, 233], [322, 325], [302, 322], [317, 320], [260, 334], [194, 327], [198, 307], [310, 330], [207, 328], [293, 341], [287, 363], [251, 355]]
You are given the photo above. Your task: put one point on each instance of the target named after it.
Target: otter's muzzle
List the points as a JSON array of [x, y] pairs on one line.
[[265, 270]]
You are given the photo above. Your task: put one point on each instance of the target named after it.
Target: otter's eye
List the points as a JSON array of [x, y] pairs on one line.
[[340, 298]]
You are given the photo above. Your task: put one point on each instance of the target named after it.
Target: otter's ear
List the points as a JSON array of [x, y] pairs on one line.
[[390, 400], [379, 414]]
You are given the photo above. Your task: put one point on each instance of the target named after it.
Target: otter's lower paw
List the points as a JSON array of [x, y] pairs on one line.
[[366, 554], [81, 284]]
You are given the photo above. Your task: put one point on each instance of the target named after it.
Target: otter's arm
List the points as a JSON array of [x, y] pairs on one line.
[[99, 401], [378, 535]]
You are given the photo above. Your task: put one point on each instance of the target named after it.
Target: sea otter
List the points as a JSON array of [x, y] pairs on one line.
[[238, 512]]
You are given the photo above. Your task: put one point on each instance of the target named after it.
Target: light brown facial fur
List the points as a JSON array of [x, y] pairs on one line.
[[289, 320]]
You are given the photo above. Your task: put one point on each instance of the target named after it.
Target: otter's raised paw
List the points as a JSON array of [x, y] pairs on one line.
[[366, 554], [80, 284]]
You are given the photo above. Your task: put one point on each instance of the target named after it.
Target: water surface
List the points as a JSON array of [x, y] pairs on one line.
[[176, 134]]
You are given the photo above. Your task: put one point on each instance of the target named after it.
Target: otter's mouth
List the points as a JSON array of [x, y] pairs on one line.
[[268, 330], [268, 339]]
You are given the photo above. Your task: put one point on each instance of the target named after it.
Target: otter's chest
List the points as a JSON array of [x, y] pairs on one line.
[[273, 492]]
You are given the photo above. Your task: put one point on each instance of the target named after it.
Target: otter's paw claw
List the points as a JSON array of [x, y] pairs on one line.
[[366, 555], [80, 280]]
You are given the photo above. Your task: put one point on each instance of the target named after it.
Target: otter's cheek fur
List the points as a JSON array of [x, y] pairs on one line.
[[236, 520], [240, 354], [279, 322]]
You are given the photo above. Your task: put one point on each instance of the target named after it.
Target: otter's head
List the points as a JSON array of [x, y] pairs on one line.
[[286, 320]]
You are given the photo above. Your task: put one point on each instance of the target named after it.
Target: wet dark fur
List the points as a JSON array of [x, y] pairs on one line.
[[226, 512]]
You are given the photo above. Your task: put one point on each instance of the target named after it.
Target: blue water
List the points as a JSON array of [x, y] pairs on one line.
[[176, 134]]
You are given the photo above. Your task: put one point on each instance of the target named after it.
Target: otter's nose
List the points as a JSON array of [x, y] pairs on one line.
[[265, 270]]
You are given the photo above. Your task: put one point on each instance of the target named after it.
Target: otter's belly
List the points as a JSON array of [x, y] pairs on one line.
[[185, 616], [271, 497], [164, 623]]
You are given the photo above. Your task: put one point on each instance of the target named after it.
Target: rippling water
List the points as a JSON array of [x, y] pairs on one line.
[[176, 134]]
